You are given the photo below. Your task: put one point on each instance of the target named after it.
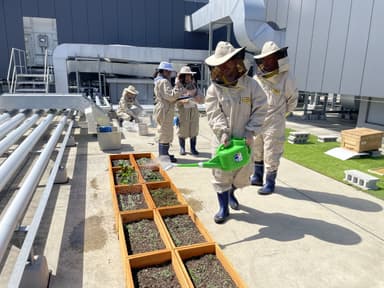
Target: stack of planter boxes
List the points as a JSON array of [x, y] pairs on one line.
[[146, 191]]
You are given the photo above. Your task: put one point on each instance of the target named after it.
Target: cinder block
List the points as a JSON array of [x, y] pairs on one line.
[[361, 179], [327, 138]]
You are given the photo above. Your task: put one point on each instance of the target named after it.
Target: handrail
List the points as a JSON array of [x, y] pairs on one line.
[[17, 64], [46, 71], [16, 209], [25, 251]]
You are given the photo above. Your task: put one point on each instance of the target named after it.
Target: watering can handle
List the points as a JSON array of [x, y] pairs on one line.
[[233, 141]]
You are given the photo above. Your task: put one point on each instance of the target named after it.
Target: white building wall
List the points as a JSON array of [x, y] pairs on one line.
[[335, 46]]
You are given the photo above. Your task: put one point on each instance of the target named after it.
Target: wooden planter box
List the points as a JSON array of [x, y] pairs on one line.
[[161, 171], [361, 139], [184, 210], [137, 156], [157, 185], [185, 253], [128, 217], [129, 189], [120, 157], [115, 171], [155, 259]]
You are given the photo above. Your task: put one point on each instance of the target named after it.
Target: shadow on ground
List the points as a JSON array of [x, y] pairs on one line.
[[283, 227], [329, 198]]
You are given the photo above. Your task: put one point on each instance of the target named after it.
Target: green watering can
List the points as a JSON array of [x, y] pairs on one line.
[[232, 157]]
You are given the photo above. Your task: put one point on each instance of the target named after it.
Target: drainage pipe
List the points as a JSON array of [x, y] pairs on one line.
[[12, 163], [16, 209], [26, 249], [15, 135], [11, 124]]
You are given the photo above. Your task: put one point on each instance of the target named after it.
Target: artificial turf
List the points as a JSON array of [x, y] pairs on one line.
[[312, 156]]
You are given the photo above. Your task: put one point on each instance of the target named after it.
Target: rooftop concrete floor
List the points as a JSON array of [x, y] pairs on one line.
[[313, 232]]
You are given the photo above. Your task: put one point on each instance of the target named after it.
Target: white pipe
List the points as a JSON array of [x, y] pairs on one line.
[[97, 99], [12, 163], [25, 251], [11, 124], [21, 201], [15, 135], [4, 117]]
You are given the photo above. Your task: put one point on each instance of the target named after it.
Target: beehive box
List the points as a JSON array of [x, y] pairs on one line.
[[361, 139]]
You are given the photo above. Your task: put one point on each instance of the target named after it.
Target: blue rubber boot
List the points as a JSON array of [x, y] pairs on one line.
[[193, 146], [182, 146], [223, 213], [269, 186], [163, 151], [233, 203], [257, 177]]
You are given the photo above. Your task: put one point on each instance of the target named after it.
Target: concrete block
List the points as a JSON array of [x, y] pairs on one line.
[[361, 179], [327, 138]]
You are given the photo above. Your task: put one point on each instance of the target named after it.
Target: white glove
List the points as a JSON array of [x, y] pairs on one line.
[[224, 139]]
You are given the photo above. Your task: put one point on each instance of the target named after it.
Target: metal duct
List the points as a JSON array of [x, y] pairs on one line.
[[113, 56], [248, 17]]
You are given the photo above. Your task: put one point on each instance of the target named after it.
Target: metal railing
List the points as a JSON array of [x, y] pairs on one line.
[[17, 65]]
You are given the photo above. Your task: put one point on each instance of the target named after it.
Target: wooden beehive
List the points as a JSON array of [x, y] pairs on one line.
[[361, 139]]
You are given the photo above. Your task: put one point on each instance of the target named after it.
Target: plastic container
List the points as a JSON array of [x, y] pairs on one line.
[[142, 129]]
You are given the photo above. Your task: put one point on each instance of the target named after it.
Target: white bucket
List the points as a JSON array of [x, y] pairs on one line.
[[143, 129]]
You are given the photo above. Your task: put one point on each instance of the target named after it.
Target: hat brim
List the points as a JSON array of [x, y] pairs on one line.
[[216, 61], [134, 92], [167, 69], [190, 73], [260, 56]]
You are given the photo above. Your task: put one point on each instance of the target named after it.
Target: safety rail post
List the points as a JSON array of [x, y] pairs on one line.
[[9, 167], [17, 207], [26, 249]]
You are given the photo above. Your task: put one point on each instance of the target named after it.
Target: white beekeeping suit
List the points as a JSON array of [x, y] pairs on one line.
[[189, 116], [279, 85], [129, 108], [236, 106], [164, 111]]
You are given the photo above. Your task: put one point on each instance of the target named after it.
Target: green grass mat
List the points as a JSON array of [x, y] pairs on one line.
[[312, 156]]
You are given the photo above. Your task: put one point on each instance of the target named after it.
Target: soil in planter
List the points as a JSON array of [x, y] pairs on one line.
[[183, 230], [150, 175], [156, 276], [120, 162], [164, 197], [145, 162], [207, 271], [131, 201], [142, 236]]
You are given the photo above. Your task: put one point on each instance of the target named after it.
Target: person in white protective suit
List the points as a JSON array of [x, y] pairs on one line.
[[274, 77], [188, 123], [236, 106], [164, 111], [129, 108]]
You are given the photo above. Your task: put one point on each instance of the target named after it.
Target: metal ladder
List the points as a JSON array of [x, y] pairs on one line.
[[19, 78]]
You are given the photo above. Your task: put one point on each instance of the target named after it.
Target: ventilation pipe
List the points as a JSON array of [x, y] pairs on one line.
[[249, 20]]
